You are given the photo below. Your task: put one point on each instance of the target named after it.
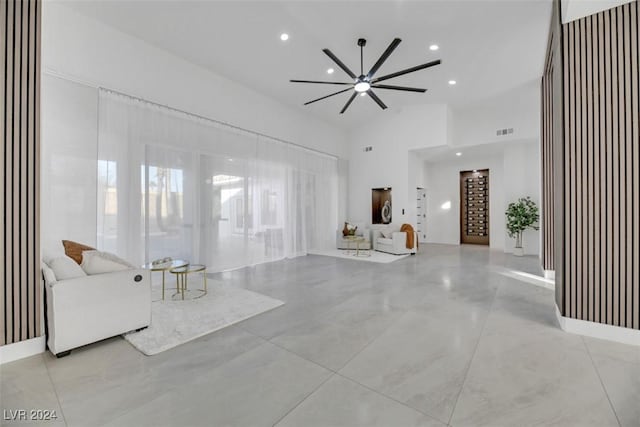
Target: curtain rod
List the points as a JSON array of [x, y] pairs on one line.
[[219, 122]]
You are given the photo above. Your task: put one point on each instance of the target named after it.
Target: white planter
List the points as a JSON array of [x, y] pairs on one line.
[[518, 251]]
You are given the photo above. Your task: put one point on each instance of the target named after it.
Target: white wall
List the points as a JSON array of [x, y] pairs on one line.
[[443, 185], [576, 9], [68, 164], [514, 172], [388, 164], [518, 108], [84, 50], [522, 178], [77, 46]]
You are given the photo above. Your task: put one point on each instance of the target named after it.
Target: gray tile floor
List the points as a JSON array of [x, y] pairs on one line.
[[434, 339]]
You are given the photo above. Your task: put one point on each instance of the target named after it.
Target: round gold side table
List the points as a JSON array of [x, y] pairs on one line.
[[164, 267], [182, 278]]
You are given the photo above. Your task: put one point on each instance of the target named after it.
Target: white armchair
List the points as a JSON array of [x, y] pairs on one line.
[[87, 309], [396, 244]]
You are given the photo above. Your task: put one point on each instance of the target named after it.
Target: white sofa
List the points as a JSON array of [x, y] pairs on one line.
[[87, 309], [396, 244], [342, 243]]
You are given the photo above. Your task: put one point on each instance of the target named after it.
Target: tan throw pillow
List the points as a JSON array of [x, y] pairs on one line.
[[74, 250]]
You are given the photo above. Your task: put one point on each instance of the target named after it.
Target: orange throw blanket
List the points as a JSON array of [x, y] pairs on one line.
[[407, 228]]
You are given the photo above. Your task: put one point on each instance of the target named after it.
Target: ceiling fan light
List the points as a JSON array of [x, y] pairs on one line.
[[362, 87]]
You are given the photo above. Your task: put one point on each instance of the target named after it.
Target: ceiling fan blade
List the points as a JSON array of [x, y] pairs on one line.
[[407, 71], [404, 88], [383, 57], [340, 63], [349, 102], [319, 82], [327, 96], [375, 98]]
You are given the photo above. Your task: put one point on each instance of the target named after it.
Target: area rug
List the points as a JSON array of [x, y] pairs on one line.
[[379, 257], [176, 322]]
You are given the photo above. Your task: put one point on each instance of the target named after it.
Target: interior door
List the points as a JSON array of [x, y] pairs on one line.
[[474, 207], [421, 214]]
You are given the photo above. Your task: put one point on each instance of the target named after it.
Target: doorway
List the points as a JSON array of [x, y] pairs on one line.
[[474, 207], [421, 214]]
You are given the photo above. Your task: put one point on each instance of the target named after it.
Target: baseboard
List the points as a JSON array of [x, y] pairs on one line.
[[598, 330], [530, 278], [550, 274], [22, 349]]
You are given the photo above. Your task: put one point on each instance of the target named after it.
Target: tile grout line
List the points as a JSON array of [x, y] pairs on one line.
[[304, 398], [595, 368], [390, 398], [473, 356], [338, 373], [55, 390]]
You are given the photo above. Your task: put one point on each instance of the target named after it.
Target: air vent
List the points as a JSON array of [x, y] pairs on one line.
[[367, 149], [505, 131]]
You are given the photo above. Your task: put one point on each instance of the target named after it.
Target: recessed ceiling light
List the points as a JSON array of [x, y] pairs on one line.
[[330, 71], [452, 82], [434, 47], [284, 37], [458, 154]]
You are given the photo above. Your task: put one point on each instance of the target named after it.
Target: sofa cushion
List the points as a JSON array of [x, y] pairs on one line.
[[74, 250], [385, 241], [97, 262], [65, 268], [387, 233]]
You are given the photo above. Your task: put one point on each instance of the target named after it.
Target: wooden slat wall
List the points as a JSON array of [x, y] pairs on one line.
[[601, 167], [546, 140], [20, 298]]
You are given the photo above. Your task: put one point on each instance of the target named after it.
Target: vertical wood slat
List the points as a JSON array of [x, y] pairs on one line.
[[37, 276], [24, 172], [19, 120], [566, 87], [602, 168], [628, 197], [8, 225], [587, 156], [547, 175], [3, 109], [635, 126]]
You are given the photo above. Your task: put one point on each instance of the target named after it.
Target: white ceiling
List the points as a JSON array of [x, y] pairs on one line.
[[487, 46], [444, 154]]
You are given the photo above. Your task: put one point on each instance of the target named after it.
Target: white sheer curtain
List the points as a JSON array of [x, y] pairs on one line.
[[171, 184]]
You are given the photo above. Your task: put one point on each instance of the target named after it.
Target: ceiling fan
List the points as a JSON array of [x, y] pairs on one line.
[[365, 83]]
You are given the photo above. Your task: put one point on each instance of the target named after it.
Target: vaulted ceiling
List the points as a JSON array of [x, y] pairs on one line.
[[488, 47]]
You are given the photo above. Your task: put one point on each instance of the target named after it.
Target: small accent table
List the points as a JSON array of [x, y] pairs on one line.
[[182, 275], [164, 267], [357, 240]]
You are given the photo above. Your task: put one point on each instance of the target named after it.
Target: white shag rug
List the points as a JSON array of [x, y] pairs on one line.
[[379, 257], [176, 322]]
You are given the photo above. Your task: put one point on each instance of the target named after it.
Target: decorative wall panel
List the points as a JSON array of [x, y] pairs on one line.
[[546, 138], [20, 297], [602, 168]]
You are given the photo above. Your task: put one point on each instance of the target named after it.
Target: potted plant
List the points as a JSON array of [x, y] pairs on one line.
[[521, 215]]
